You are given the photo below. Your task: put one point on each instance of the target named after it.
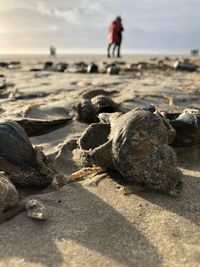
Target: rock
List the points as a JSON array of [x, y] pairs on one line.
[[48, 66], [113, 70], [61, 67], [187, 126], [92, 68], [89, 109], [178, 65], [136, 145]]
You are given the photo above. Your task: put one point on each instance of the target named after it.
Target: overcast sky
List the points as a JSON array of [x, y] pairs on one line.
[[30, 26]]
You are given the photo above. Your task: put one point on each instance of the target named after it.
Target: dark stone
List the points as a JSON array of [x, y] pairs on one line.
[[18, 158], [113, 70], [4, 64], [61, 67], [15, 145], [92, 68], [48, 65], [185, 66], [187, 128]]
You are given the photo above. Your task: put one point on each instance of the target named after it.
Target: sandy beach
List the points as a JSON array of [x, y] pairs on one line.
[[96, 224]]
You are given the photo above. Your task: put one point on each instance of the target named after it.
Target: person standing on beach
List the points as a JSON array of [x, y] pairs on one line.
[[115, 36]]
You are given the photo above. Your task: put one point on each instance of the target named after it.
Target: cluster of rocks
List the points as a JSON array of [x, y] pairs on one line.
[[113, 68], [10, 65], [138, 145], [120, 67], [22, 165]]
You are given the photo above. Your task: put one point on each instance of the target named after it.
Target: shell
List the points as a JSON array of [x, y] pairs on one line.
[[113, 70], [88, 110], [9, 197], [187, 126], [15, 145], [92, 68], [93, 139], [36, 209], [137, 148], [18, 158], [185, 66]]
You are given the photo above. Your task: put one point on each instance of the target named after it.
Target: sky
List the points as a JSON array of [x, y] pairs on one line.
[[81, 26]]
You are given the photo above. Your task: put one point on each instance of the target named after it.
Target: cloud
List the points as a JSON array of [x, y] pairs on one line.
[[70, 15], [84, 23], [83, 12]]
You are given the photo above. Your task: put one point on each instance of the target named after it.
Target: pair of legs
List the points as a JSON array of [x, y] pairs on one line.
[[118, 46]]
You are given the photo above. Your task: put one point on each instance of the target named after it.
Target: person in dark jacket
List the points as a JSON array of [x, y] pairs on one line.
[[115, 36]]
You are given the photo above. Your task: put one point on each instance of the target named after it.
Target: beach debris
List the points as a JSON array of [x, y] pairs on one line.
[[3, 85], [43, 119], [36, 127], [39, 119], [14, 65], [142, 66], [185, 66], [88, 110], [18, 157], [84, 173], [48, 169], [10, 65], [187, 126], [48, 66], [136, 145], [22, 165], [10, 203], [113, 70], [92, 68], [9, 197], [36, 209], [4, 64], [61, 67]]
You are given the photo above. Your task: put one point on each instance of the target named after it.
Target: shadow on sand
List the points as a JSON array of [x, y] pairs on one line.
[[82, 217], [79, 218], [184, 205]]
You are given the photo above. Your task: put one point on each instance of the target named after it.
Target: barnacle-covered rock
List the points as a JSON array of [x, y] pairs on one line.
[[136, 146], [89, 109]]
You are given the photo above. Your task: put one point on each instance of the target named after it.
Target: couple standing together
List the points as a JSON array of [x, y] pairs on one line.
[[115, 36]]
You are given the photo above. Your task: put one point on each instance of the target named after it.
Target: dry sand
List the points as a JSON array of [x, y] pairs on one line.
[[93, 224]]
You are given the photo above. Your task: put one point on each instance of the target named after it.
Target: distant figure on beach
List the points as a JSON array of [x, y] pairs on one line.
[[52, 51], [115, 36]]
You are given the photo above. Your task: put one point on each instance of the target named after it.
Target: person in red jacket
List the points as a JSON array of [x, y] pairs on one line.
[[115, 36]]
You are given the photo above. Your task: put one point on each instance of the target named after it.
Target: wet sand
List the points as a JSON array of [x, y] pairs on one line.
[[93, 224]]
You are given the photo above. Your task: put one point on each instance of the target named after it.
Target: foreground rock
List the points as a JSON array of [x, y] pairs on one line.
[[136, 145]]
